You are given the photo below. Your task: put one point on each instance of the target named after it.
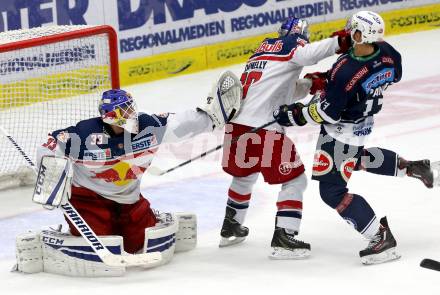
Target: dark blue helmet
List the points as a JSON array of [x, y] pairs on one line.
[[293, 25], [118, 108]]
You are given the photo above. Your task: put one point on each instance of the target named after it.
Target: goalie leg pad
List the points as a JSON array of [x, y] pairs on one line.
[[186, 236], [162, 237], [60, 253], [174, 232], [29, 253]]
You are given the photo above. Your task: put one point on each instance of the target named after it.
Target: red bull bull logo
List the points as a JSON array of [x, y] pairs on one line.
[[120, 174]]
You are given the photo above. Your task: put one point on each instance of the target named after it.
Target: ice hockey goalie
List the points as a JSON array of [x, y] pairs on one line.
[[97, 166]]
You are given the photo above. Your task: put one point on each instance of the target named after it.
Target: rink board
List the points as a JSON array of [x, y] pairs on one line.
[[222, 54]]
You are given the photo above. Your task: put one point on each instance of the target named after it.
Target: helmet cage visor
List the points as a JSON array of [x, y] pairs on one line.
[[124, 115], [294, 26]]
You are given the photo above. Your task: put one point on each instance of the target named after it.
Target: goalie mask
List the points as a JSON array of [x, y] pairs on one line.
[[118, 108], [293, 25]]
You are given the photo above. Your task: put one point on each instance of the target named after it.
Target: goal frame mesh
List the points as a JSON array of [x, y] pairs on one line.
[[27, 176]]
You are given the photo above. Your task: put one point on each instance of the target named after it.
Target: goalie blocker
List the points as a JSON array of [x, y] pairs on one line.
[[54, 180], [53, 251]]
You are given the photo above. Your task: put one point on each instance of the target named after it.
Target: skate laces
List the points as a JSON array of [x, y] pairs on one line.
[[291, 237], [375, 240], [416, 168]]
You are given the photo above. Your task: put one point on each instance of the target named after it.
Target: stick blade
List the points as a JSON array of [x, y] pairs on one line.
[[155, 171], [145, 259], [430, 264], [435, 167]]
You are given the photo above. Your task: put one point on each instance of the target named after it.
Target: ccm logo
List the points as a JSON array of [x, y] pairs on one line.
[[53, 241], [40, 180]]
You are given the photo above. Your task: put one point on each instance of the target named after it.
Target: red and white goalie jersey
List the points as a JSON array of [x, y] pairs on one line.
[[113, 165]]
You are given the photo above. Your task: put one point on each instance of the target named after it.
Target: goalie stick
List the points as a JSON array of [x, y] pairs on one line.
[[88, 234], [430, 264], [159, 172]]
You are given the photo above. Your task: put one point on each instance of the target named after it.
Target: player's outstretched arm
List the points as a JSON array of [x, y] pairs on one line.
[[186, 124], [221, 106], [312, 53]]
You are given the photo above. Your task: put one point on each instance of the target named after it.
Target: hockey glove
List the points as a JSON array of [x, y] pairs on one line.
[[319, 81], [290, 115], [224, 101], [344, 40]]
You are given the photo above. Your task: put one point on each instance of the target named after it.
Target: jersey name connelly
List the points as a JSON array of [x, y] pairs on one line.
[[256, 65]]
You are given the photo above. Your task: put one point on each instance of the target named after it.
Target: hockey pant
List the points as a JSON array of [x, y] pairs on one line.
[[334, 174]]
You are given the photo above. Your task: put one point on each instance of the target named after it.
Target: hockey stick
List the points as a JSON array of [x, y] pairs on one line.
[[430, 264], [159, 172], [86, 231]]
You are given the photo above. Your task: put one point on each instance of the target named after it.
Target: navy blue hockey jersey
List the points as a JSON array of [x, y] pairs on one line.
[[354, 93]]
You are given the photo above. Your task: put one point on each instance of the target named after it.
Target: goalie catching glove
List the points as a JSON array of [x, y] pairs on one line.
[[224, 101], [54, 179]]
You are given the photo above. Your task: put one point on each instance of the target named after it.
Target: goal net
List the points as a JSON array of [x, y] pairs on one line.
[[51, 77]]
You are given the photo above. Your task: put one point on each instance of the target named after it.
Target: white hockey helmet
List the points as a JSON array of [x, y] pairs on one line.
[[370, 24]]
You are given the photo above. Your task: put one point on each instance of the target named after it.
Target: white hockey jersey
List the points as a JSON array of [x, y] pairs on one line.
[[112, 166], [270, 75]]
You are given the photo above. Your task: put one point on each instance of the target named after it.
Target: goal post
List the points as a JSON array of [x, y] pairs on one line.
[[50, 78]]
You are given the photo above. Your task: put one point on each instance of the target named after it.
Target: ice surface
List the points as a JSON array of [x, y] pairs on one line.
[[408, 124]]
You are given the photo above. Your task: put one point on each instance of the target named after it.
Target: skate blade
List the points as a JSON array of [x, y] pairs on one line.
[[385, 256], [284, 254], [226, 242], [435, 167]]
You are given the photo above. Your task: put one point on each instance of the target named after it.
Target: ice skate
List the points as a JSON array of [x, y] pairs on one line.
[[285, 246], [382, 247], [421, 170], [232, 232]]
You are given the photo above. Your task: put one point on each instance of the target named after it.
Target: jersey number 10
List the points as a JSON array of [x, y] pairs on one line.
[[247, 79]]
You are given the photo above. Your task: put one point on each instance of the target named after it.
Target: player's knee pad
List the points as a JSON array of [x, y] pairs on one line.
[[244, 185], [294, 187], [61, 253], [332, 194], [174, 232]]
